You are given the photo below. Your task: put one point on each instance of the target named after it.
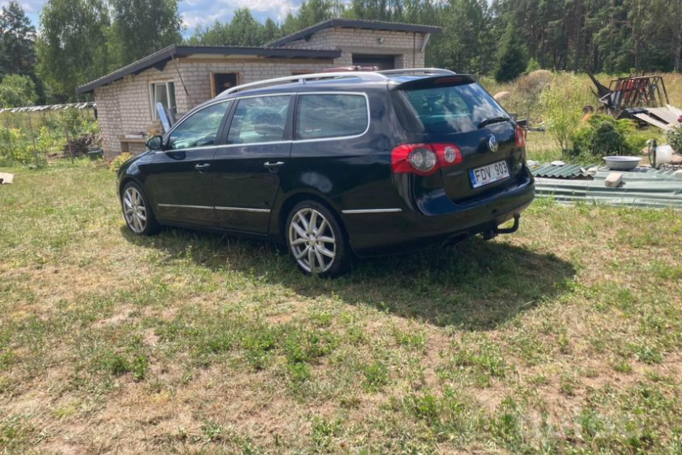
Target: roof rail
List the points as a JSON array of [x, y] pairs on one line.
[[434, 71], [302, 79]]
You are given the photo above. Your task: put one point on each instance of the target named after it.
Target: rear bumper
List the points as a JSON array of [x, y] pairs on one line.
[[396, 233]]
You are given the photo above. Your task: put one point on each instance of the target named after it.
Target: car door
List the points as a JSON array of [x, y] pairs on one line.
[[180, 179], [248, 167]]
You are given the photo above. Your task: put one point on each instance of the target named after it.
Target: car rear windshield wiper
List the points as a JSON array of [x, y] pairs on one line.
[[491, 120]]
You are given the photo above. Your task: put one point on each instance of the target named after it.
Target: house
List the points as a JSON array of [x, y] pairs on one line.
[[182, 77]]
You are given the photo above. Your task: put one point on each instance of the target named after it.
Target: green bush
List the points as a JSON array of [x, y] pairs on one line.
[[117, 162], [78, 124], [674, 138], [15, 147], [50, 141], [561, 106], [604, 136]]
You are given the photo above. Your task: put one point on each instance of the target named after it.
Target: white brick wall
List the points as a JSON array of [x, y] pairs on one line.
[[125, 106], [361, 41]]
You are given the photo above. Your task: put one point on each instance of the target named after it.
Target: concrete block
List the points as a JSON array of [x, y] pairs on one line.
[[614, 180]]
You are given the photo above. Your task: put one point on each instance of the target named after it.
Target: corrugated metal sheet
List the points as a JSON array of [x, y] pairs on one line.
[[566, 171], [644, 188]]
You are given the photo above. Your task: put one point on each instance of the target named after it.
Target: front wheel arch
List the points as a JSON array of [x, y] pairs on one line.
[[151, 226], [127, 179]]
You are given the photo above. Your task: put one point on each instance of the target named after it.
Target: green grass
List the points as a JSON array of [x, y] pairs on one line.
[[563, 338], [542, 147]]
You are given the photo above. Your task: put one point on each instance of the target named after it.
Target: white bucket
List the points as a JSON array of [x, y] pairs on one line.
[[664, 154]]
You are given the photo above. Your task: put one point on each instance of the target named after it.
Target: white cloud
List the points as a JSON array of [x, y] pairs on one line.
[[202, 12], [29, 6]]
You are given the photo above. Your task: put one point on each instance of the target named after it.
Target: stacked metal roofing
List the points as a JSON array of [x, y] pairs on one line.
[[643, 187], [565, 171], [53, 107]]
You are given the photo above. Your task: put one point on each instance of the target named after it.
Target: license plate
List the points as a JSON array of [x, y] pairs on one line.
[[491, 173]]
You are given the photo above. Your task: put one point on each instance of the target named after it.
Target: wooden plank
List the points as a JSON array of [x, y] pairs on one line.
[[6, 179], [675, 110], [664, 114], [652, 121], [212, 80]]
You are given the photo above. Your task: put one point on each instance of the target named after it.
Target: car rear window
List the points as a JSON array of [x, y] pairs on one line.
[[444, 110], [330, 115]]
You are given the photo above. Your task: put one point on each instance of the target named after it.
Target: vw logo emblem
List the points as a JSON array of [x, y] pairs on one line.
[[492, 144]]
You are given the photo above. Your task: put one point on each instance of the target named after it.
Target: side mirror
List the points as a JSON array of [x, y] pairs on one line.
[[155, 143]]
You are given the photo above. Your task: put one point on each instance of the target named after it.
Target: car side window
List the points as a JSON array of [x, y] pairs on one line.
[[199, 130], [259, 120], [330, 115]]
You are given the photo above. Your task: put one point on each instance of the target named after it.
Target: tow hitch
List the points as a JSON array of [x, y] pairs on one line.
[[489, 235]]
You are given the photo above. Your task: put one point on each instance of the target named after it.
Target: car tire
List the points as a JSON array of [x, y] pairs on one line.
[[137, 210], [314, 234]]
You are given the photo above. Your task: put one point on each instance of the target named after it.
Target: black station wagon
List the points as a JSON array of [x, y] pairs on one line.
[[337, 165]]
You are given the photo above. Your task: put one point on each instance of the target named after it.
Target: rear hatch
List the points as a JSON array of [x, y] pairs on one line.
[[456, 110]]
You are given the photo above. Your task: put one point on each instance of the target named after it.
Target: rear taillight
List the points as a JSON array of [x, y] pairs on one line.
[[424, 159], [520, 137]]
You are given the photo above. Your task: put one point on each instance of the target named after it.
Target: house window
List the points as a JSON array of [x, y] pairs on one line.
[[164, 93], [221, 82]]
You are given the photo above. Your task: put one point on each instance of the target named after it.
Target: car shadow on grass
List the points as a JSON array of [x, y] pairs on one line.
[[473, 285]]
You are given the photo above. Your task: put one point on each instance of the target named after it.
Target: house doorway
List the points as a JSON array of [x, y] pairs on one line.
[[383, 62], [221, 82]]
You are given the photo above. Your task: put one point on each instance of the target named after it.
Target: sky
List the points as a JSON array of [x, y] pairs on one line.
[[199, 12]]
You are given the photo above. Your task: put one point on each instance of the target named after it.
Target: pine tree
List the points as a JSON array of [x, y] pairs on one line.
[[512, 58]]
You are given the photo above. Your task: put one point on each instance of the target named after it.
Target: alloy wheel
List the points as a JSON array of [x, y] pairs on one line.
[[312, 241], [134, 210]]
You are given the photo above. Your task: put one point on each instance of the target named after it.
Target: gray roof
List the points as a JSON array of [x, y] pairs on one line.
[[159, 59], [354, 23]]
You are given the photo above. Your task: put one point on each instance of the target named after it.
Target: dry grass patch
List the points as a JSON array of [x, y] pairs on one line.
[[564, 338]]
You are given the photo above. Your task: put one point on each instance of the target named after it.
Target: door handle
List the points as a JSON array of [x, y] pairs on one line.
[[202, 167], [273, 167]]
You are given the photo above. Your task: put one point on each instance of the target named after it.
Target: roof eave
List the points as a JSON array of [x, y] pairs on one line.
[[353, 23], [160, 58], [137, 67]]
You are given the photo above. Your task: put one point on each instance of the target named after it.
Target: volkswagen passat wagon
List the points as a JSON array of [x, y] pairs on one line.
[[337, 165]]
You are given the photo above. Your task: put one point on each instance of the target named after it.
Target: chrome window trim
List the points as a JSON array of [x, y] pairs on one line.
[[291, 141], [336, 138], [243, 209], [203, 147], [369, 211]]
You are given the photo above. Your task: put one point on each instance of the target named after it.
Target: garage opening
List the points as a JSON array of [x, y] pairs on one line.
[[221, 82], [383, 62]]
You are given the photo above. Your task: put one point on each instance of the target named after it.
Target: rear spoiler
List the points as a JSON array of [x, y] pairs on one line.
[[436, 81]]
